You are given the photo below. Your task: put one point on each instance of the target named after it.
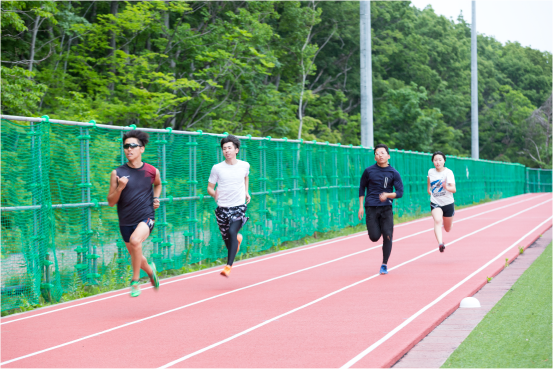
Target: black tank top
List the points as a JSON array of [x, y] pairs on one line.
[[136, 202]]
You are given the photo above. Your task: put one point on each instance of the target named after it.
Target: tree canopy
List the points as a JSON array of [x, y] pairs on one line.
[[276, 68]]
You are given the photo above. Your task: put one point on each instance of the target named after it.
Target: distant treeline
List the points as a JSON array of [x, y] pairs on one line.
[[276, 68]]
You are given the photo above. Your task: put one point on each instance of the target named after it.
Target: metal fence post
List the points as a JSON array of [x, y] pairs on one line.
[[527, 181], [166, 244], [279, 179], [162, 247], [86, 252], [33, 259]]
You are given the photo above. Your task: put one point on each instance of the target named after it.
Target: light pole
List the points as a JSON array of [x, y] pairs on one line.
[[474, 86], [367, 138]]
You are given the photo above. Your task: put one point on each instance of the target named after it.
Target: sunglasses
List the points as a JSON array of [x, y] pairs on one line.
[[131, 146]]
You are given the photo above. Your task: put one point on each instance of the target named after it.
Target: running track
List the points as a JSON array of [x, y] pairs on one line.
[[321, 305]]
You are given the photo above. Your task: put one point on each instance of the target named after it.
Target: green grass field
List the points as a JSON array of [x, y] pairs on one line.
[[516, 333]]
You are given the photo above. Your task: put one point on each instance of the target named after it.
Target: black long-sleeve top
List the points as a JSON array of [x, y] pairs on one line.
[[376, 180]]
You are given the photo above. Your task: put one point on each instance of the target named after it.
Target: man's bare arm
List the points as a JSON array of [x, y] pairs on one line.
[[116, 186], [247, 183], [157, 189], [211, 189]]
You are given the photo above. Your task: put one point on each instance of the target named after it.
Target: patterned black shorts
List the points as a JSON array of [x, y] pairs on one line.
[[225, 216]]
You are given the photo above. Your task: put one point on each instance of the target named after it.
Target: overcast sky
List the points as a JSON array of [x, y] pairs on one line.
[[530, 22]]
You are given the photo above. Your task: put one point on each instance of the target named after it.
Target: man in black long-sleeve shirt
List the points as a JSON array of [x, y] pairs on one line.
[[379, 180]]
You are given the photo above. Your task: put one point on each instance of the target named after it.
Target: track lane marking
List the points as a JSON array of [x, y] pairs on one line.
[[341, 290], [257, 284], [441, 297], [271, 257]]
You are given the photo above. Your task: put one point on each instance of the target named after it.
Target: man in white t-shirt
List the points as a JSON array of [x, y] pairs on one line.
[[441, 187], [231, 195]]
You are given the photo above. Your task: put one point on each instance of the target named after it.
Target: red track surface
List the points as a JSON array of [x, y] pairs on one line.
[[286, 310]]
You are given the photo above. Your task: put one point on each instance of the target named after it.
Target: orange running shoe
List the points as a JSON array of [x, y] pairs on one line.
[[239, 237], [226, 271]]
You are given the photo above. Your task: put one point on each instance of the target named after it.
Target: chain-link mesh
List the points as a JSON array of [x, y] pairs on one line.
[[58, 232]]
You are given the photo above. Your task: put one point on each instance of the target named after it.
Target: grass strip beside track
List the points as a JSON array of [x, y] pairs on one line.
[[516, 333]]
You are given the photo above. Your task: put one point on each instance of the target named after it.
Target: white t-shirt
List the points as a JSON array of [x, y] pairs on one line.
[[440, 195], [231, 187]]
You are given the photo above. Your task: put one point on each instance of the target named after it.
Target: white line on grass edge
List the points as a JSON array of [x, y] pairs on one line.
[[287, 252], [412, 317], [253, 285], [343, 289]]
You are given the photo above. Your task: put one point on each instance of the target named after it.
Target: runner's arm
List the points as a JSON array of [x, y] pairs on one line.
[[398, 185], [428, 186], [157, 189], [449, 183], [211, 189], [211, 182], [362, 186], [114, 188], [247, 183], [451, 187]]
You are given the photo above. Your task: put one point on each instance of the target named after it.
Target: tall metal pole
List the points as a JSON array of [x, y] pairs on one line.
[[367, 138], [474, 86]]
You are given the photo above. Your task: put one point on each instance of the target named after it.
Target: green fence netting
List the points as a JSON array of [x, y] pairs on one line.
[[58, 232], [538, 180]]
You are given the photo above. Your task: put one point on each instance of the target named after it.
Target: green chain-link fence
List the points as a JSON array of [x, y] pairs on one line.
[[58, 232]]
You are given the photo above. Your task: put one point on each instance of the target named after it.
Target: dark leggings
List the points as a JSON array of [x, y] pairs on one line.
[[232, 244], [380, 222]]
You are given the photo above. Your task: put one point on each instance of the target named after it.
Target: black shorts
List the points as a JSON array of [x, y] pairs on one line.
[[127, 231], [449, 210]]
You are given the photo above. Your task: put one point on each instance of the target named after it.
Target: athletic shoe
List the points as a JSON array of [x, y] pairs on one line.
[[135, 289], [383, 269], [226, 271], [441, 247], [153, 277], [239, 236]]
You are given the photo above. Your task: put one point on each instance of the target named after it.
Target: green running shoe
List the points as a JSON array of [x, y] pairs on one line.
[[153, 277], [135, 289]]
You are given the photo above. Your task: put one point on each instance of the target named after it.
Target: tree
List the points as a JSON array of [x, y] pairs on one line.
[[536, 133]]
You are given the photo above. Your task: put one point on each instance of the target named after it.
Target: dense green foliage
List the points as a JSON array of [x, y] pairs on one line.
[[275, 68]]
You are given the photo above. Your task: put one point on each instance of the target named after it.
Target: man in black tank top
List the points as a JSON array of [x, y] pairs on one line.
[[131, 189]]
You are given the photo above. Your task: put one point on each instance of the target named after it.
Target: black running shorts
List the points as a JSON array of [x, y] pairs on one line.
[[127, 231], [449, 210]]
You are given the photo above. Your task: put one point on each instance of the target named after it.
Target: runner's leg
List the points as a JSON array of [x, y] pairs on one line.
[[138, 260], [372, 222], [448, 223], [437, 214], [387, 226], [233, 230]]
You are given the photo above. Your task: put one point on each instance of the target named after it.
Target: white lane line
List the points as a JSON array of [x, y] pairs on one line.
[[266, 258], [336, 292], [412, 317], [225, 293]]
